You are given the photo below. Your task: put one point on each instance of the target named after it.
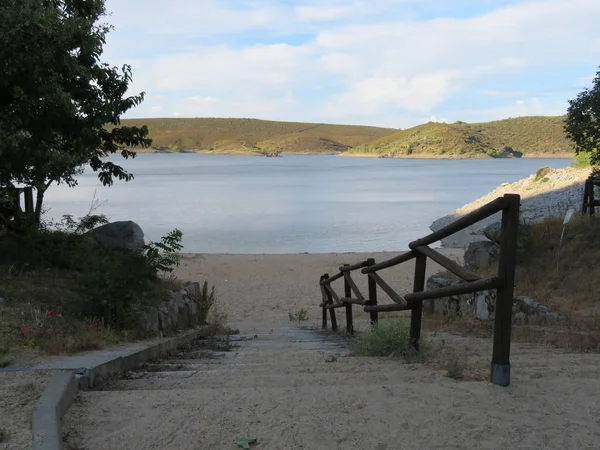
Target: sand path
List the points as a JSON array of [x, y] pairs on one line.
[[293, 388]]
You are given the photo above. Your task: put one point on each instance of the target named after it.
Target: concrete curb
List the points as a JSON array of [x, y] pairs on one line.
[[91, 376], [57, 397]]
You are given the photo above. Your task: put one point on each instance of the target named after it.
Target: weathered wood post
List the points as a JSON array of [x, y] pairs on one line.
[[323, 302], [28, 200], [416, 313], [500, 370], [329, 301], [586, 196], [372, 294], [348, 294], [592, 196]]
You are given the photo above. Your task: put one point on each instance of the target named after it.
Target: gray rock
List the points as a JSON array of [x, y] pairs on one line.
[[481, 255], [482, 305], [148, 318], [126, 234], [492, 232]]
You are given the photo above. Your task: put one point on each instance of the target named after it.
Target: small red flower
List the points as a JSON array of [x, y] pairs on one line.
[[58, 330], [47, 332], [24, 329], [92, 326], [51, 313], [100, 324], [36, 331]]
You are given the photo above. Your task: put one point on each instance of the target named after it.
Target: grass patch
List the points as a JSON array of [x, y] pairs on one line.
[[299, 316], [540, 174], [391, 338]]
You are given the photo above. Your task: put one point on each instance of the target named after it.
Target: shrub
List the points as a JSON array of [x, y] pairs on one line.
[[390, 337], [205, 303], [163, 255], [299, 316], [581, 161], [541, 173]]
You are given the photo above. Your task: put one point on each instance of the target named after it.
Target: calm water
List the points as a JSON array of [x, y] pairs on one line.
[[294, 204]]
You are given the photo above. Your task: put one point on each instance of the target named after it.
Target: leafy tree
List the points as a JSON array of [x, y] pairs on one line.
[[583, 122], [60, 106]]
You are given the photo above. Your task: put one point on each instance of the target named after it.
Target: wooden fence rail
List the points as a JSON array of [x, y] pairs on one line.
[[509, 204]]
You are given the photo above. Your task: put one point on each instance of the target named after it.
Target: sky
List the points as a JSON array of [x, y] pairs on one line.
[[392, 63]]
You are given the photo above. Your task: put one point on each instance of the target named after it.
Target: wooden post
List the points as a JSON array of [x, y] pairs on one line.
[[586, 194], [373, 294], [591, 197], [28, 200], [323, 301], [500, 370], [417, 309], [329, 301], [348, 294]]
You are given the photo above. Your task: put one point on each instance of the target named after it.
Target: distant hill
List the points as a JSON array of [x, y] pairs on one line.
[[251, 135], [530, 136]]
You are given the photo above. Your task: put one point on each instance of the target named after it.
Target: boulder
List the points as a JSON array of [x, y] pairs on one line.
[[482, 305], [125, 234], [148, 319], [492, 232], [481, 255]]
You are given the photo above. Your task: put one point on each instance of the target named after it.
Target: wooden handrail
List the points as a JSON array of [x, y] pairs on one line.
[[387, 308], [467, 220], [354, 301], [333, 294], [352, 267], [464, 288], [337, 276], [390, 262], [353, 287], [447, 263], [387, 289]]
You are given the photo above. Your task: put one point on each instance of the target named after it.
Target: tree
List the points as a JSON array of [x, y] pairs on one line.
[[60, 106], [583, 122]]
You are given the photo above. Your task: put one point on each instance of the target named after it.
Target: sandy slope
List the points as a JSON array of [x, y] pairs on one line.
[[279, 387]]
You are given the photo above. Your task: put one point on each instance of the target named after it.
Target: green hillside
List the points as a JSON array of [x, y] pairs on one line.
[[248, 135], [527, 135]]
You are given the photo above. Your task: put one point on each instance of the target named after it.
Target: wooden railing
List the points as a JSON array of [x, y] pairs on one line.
[[503, 282], [589, 201], [10, 204]]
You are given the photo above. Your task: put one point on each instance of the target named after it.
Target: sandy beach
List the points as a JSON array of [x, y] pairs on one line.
[[292, 389]]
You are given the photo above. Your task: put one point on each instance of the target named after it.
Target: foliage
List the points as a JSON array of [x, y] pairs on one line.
[[299, 316], [104, 282], [56, 96], [541, 173], [245, 441], [390, 337], [581, 161], [163, 256], [205, 303], [583, 121], [527, 135]]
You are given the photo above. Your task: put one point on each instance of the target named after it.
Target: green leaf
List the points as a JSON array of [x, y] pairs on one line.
[[245, 441]]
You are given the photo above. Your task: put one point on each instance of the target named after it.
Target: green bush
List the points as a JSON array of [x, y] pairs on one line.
[[162, 256], [541, 173], [390, 337], [581, 161]]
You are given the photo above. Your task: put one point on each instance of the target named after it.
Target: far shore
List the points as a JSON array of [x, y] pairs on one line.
[[355, 155]]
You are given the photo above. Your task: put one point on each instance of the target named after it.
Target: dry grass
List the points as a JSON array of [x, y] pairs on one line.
[[528, 135], [248, 135]]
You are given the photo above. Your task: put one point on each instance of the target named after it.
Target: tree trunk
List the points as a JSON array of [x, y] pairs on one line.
[[39, 200]]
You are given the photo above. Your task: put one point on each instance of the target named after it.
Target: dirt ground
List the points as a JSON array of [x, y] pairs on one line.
[[18, 394], [292, 388]]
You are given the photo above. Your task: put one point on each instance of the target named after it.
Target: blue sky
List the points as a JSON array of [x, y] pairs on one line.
[[394, 63]]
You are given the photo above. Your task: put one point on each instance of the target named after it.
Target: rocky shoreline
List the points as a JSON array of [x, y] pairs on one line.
[[545, 194]]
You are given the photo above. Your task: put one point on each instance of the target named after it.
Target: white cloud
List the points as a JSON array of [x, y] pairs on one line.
[[363, 69]]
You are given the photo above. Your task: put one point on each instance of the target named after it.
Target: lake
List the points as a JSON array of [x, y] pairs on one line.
[[293, 204]]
